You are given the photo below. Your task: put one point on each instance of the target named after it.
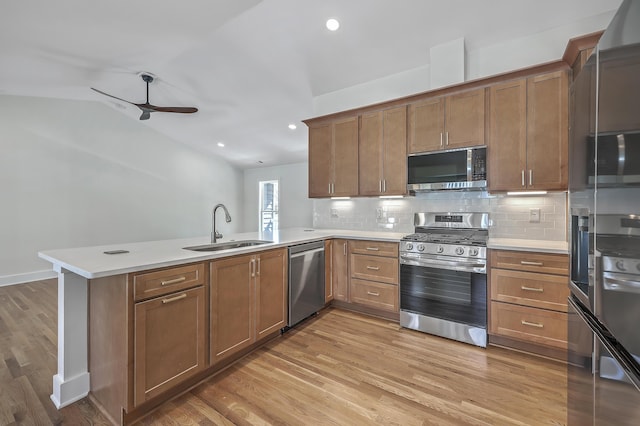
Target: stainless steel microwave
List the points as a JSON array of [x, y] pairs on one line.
[[462, 169]]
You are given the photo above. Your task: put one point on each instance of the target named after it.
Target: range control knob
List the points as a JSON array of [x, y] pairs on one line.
[[409, 246], [439, 249], [420, 247], [459, 250], [620, 265], [473, 252]]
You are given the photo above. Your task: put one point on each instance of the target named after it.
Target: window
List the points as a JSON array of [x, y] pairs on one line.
[[268, 220]]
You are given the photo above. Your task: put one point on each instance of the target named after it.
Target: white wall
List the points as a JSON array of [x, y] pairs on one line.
[[78, 173], [480, 62], [296, 210]]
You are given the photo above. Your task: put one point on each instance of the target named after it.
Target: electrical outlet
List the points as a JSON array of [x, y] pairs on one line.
[[534, 215], [334, 212]]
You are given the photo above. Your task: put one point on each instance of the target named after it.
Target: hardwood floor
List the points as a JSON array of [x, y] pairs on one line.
[[338, 368]]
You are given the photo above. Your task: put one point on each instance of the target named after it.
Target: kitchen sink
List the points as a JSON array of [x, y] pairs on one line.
[[228, 245]]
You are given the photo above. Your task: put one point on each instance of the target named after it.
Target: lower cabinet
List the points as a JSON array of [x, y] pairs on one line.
[[169, 341], [248, 301], [339, 274], [365, 275], [154, 334], [529, 294]]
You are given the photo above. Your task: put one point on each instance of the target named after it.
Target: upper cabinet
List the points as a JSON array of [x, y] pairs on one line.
[[448, 122], [333, 158], [382, 152], [529, 134]]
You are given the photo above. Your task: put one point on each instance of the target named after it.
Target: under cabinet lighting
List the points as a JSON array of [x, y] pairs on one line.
[[340, 198], [391, 196], [527, 193]]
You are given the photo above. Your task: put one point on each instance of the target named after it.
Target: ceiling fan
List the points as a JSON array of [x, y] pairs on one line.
[[146, 107]]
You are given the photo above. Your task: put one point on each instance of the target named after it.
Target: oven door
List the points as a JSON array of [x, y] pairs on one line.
[[452, 295]]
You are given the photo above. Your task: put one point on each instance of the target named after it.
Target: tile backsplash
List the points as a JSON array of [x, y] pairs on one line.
[[511, 216]]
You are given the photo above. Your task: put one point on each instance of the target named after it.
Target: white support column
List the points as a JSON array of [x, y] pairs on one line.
[[72, 381]]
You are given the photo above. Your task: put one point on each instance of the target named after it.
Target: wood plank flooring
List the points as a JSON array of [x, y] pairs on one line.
[[339, 368]]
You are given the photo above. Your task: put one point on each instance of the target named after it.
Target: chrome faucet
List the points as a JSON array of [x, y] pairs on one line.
[[215, 235]]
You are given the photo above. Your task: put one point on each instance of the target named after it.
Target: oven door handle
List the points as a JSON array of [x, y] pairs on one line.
[[444, 264], [615, 283]]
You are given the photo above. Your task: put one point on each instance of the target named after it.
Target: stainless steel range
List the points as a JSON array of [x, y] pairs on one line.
[[443, 281]]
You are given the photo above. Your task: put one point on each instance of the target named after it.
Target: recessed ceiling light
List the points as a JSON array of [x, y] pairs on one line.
[[332, 24], [292, 126], [220, 144]]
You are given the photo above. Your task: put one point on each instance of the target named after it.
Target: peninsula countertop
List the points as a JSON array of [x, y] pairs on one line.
[[92, 262]]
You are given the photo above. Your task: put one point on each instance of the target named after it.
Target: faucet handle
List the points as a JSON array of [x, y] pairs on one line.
[[218, 235]]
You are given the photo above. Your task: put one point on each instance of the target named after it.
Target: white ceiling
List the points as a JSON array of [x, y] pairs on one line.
[[250, 66]]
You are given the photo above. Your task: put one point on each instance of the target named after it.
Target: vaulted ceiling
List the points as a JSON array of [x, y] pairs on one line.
[[251, 67]]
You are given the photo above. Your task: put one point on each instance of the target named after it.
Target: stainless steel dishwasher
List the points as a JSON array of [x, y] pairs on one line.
[[306, 280]]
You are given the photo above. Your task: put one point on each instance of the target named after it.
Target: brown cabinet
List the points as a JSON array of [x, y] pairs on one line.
[[169, 341], [147, 335], [374, 275], [338, 275], [333, 158], [528, 127], [529, 294], [454, 121], [382, 152], [271, 292], [248, 300]]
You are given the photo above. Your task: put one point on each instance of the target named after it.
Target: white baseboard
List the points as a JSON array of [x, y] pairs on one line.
[[27, 277]]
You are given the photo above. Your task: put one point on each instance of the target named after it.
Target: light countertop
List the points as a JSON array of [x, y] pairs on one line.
[[92, 262], [543, 246]]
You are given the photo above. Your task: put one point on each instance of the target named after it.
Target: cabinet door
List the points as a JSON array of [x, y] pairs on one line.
[[464, 119], [426, 125], [320, 160], [328, 267], [339, 270], [370, 155], [507, 149], [271, 292], [345, 158], [169, 339], [232, 287], [547, 132], [394, 153]]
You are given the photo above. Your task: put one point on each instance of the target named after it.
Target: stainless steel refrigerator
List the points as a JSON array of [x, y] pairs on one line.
[[604, 203]]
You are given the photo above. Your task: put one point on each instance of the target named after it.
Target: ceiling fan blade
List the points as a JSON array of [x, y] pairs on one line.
[[114, 97], [181, 110]]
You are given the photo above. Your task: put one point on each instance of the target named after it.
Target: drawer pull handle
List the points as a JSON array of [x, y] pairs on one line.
[[373, 268], [173, 299], [532, 324], [539, 290], [524, 262], [373, 249], [370, 293], [174, 281]]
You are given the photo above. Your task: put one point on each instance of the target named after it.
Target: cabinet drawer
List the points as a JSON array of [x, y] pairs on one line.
[[376, 295], [531, 289], [166, 281], [374, 248], [529, 324], [375, 268], [547, 263]]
